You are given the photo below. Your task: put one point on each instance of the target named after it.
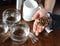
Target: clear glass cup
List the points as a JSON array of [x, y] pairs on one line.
[[11, 16], [21, 32], [3, 28]]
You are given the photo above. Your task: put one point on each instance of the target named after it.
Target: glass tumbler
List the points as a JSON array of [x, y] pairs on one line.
[[11, 16], [21, 32], [3, 28]]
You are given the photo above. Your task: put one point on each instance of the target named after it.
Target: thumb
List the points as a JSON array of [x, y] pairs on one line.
[[36, 16]]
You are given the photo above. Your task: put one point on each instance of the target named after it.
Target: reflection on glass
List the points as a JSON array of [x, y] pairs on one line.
[[21, 32], [11, 16]]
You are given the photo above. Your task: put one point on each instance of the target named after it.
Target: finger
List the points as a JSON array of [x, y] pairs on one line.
[[36, 15], [34, 26], [39, 28], [42, 28], [36, 33], [46, 25]]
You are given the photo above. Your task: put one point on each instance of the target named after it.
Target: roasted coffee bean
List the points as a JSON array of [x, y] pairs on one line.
[[44, 20]]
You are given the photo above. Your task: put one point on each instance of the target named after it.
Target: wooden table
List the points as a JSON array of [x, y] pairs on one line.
[[52, 39]]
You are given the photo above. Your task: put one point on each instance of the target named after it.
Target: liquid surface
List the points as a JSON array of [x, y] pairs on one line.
[[11, 18]]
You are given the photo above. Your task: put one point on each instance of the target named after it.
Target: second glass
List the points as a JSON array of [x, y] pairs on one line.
[[21, 32]]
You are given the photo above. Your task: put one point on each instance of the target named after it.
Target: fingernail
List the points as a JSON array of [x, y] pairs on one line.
[[40, 30], [36, 34], [43, 27]]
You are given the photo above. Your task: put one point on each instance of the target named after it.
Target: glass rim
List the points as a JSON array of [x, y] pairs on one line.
[[10, 9]]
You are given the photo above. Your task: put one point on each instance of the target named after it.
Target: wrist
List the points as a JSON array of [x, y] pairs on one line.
[[48, 10], [45, 11]]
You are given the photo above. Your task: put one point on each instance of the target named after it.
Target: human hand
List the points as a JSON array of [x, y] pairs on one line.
[[36, 27]]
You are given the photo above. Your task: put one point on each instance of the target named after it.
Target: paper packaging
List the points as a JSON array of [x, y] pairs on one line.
[[48, 30]]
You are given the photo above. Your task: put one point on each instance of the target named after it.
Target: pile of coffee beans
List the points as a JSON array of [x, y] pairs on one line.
[[44, 20]]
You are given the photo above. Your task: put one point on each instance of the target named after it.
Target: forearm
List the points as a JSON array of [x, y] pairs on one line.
[[49, 5]]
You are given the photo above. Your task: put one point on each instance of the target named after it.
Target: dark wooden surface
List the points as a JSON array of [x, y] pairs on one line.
[[52, 39]]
